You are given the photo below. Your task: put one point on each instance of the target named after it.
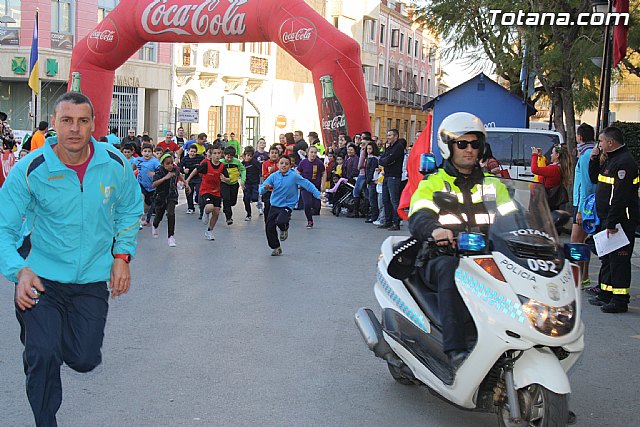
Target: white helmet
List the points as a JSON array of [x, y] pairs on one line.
[[454, 126]]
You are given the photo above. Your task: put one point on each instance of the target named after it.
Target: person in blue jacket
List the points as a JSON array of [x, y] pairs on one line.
[[284, 186], [79, 203], [582, 188]]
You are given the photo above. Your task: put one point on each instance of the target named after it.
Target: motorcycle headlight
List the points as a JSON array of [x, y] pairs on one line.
[[552, 321]]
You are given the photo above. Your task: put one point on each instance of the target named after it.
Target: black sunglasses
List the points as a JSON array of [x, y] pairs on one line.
[[462, 144]]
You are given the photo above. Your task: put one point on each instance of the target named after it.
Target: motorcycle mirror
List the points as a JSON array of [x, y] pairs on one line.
[[447, 202], [427, 163], [577, 251]]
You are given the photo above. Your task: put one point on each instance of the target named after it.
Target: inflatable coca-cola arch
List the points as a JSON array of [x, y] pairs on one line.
[[332, 57]]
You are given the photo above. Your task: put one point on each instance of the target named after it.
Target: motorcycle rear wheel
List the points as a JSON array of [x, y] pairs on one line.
[[539, 407], [399, 376]]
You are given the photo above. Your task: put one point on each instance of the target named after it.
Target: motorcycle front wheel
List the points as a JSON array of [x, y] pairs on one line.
[[539, 407]]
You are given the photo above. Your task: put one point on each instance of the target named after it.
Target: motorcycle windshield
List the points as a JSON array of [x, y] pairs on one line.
[[521, 227]]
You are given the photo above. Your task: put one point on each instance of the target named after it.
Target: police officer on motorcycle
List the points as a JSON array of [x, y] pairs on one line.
[[461, 140]]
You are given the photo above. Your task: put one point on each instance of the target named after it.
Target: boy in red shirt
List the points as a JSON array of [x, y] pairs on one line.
[[268, 167], [211, 171]]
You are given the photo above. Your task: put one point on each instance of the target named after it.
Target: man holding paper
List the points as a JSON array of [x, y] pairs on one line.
[[616, 176]]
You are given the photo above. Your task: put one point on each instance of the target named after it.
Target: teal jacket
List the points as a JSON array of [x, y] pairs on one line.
[[74, 229], [582, 185]]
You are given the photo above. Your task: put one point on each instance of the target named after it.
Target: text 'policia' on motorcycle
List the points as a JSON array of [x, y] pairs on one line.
[[458, 314]]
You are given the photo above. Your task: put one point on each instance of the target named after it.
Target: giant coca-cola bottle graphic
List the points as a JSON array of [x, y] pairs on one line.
[[334, 120]]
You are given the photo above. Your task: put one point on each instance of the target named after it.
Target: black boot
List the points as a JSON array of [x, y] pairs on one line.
[[356, 208]]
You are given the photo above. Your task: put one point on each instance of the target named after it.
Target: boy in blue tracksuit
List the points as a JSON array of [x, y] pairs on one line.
[[284, 186], [147, 166], [75, 205]]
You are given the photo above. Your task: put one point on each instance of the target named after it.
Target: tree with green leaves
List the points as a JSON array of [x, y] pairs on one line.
[[558, 55]]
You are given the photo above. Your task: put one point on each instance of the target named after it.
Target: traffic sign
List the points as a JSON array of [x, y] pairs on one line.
[[188, 115]]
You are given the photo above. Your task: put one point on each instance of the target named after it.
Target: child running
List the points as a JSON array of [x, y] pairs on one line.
[[211, 170], [311, 168], [147, 166], [234, 175], [268, 167], [189, 163], [284, 186], [253, 170], [165, 181], [128, 150]]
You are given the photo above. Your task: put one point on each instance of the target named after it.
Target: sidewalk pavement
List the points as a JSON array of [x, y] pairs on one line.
[[635, 258]]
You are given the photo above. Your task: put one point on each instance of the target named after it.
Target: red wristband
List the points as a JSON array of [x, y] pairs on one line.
[[125, 257]]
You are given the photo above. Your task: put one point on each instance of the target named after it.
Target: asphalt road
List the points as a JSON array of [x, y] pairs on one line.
[[222, 334]]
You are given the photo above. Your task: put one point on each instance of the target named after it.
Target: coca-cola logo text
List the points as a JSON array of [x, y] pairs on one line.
[[301, 34], [336, 123], [206, 17], [298, 35], [105, 38], [105, 35]]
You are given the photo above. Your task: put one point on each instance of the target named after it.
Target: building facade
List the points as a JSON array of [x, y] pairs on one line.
[[228, 83], [141, 86], [407, 72], [258, 89]]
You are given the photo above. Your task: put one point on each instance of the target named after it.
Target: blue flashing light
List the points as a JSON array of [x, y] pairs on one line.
[[577, 251], [472, 242]]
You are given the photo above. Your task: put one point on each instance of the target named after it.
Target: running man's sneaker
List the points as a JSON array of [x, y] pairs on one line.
[[172, 242], [144, 223], [586, 283], [154, 232], [229, 221], [309, 224], [209, 235], [277, 251], [190, 211], [376, 222], [260, 211], [205, 218], [247, 218], [283, 235]]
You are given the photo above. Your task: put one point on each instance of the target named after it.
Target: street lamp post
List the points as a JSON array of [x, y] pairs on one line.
[[602, 121]]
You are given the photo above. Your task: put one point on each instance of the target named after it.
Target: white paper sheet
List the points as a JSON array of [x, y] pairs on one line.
[[605, 245]]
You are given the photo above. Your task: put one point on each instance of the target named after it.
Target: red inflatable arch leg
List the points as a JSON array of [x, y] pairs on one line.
[[332, 57]]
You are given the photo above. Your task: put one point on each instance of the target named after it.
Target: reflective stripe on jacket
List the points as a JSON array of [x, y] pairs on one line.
[[491, 189]]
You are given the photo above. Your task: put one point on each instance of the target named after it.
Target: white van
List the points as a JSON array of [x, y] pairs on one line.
[[512, 148]]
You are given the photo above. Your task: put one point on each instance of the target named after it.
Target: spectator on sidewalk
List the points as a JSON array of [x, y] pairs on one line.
[[582, 188], [392, 160]]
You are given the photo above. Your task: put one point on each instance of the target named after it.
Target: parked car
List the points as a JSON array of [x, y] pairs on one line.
[[512, 148]]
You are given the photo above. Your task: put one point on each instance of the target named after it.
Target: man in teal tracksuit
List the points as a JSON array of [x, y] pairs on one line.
[[75, 205]]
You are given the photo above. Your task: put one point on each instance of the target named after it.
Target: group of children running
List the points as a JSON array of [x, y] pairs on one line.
[[213, 181]]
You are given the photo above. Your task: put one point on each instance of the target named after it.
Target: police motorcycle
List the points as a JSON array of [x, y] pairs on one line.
[[524, 330]]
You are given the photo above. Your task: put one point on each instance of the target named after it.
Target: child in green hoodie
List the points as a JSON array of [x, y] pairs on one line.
[[234, 176]]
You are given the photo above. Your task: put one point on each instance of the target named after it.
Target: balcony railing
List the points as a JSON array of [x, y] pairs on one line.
[[626, 92], [372, 91], [396, 96], [382, 93], [259, 65], [370, 47], [211, 59]]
